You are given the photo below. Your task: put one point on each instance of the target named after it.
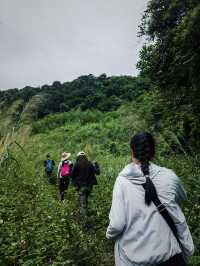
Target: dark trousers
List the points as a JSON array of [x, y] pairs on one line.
[[50, 176], [176, 260], [49, 173], [84, 193], [63, 185]]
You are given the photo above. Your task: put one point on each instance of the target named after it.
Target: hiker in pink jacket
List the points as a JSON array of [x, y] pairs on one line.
[[64, 170]]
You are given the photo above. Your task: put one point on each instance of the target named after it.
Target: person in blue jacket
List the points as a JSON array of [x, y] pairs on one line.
[[49, 165]]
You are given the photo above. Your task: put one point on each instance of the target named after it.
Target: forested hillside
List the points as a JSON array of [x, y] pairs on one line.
[[86, 92], [99, 115]]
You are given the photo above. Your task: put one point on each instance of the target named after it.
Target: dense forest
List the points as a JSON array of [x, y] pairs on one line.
[[99, 115], [87, 92]]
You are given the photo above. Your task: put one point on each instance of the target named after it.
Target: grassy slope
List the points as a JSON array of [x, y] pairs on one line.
[[10, 116], [36, 229]]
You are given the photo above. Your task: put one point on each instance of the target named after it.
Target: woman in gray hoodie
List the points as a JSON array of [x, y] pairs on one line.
[[142, 236]]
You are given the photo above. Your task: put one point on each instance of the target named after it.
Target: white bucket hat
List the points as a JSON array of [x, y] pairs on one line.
[[81, 153], [65, 155]]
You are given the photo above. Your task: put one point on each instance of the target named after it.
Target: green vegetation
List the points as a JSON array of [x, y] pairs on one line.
[[171, 60], [99, 115], [36, 229]]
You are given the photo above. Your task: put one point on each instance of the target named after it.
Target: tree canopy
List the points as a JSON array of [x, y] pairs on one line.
[[171, 58], [86, 92]]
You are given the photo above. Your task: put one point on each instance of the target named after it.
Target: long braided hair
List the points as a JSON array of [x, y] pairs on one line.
[[143, 149]]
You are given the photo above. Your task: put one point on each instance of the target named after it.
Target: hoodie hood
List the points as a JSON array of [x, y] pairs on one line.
[[134, 173]]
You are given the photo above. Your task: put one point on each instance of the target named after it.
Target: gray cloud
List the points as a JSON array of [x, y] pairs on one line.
[[47, 40]]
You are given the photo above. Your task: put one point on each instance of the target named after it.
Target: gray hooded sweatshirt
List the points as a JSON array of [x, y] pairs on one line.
[[142, 237]]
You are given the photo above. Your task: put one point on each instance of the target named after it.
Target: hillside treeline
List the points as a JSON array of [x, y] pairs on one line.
[[169, 71], [87, 92]]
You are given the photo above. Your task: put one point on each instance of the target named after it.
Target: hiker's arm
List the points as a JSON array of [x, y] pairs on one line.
[[58, 173], [117, 213], [71, 166], [45, 163], [181, 194], [73, 174]]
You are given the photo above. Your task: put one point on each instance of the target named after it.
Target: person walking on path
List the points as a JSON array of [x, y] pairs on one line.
[[64, 171], [146, 221], [49, 166], [83, 178]]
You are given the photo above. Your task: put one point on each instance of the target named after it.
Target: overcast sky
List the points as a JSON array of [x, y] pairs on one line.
[[46, 40]]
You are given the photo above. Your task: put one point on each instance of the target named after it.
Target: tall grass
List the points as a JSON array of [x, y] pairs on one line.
[[36, 228]]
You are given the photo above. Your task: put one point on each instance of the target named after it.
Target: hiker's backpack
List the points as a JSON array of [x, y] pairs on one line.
[[96, 168], [65, 169], [49, 165]]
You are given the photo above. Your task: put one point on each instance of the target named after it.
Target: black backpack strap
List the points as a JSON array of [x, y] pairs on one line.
[[165, 214]]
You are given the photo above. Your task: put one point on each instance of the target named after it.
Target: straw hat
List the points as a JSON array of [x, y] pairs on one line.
[[65, 155], [81, 153]]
